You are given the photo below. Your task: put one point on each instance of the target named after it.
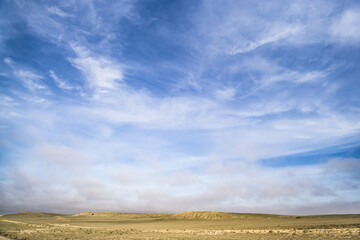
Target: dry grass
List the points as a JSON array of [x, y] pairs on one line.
[[187, 225]]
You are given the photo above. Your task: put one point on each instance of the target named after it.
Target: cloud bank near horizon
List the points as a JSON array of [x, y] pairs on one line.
[[167, 106]]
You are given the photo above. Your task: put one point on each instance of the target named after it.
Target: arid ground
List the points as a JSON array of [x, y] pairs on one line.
[[187, 225]]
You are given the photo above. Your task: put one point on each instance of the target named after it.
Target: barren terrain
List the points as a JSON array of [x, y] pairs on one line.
[[187, 225]]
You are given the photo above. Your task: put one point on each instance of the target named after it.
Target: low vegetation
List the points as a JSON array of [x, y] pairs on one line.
[[187, 225]]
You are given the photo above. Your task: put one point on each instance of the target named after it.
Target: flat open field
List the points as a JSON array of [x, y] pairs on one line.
[[191, 225]]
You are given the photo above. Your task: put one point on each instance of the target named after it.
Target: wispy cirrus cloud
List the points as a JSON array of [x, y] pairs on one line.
[[273, 35], [60, 83], [57, 11], [30, 80]]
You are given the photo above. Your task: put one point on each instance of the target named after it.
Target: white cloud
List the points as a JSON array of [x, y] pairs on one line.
[[9, 61], [310, 76], [284, 75], [274, 34], [58, 11], [225, 94], [346, 28], [234, 30], [94, 19], [100, 72], [30, 79], [59, 82]]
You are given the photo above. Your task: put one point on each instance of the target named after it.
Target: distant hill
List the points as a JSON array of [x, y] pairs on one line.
[[182, 215], [216, 215], [33, 214], [119, 214]]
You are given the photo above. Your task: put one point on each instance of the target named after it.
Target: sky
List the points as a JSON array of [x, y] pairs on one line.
[[169, 106]]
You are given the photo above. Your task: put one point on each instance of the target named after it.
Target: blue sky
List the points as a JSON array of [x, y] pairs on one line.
[[169, 106]]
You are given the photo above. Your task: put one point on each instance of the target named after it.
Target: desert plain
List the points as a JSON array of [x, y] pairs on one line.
[[185, 225]]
